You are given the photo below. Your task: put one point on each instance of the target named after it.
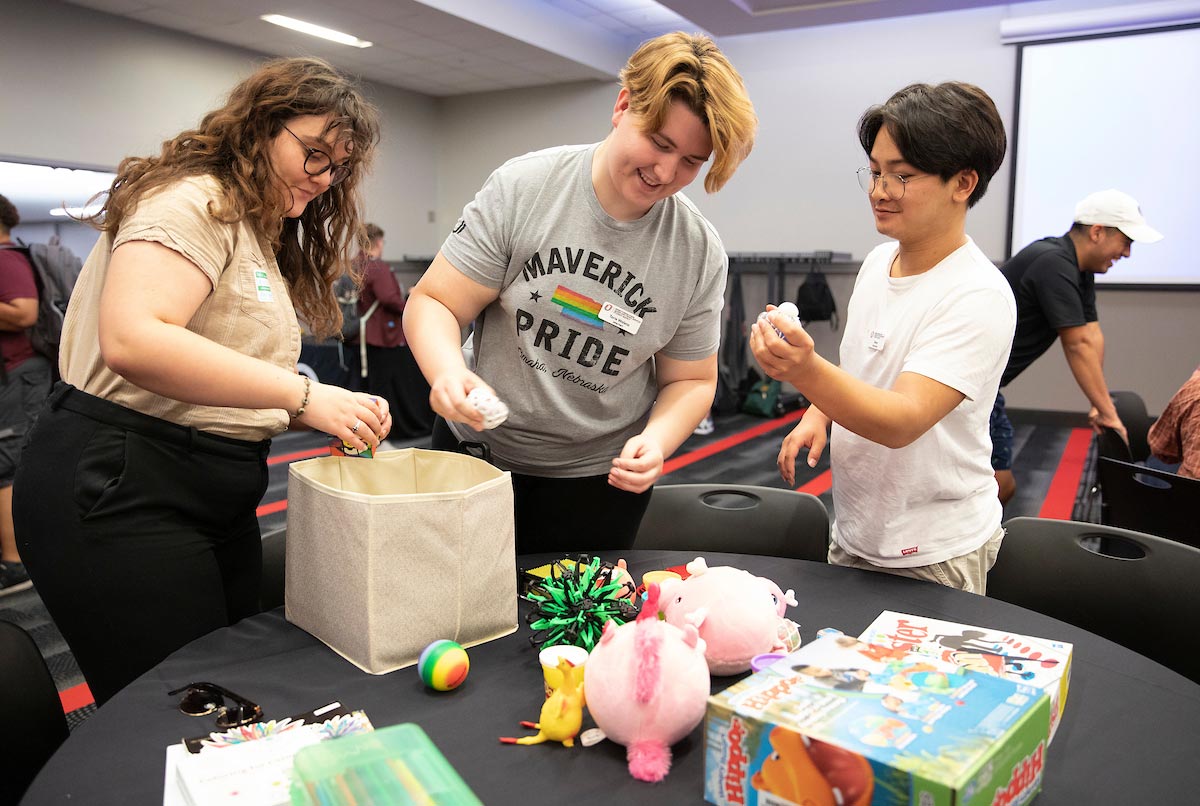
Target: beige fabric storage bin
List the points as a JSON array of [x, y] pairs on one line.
[[385, 555]]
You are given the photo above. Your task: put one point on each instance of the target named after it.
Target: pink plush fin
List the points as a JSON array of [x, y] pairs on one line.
[[610, 629], [696, 617], [691, 636], [649, 760]]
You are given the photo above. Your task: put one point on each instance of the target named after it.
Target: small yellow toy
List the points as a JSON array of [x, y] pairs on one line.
[[562, 713]]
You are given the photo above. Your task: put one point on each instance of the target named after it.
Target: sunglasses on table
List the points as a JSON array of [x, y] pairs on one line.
[[200, 699]]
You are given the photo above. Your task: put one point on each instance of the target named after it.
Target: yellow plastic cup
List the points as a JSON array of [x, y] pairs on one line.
[[549, 658], [651, 577]]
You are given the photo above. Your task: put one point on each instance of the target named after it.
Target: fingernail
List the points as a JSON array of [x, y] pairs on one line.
[[812, 462]]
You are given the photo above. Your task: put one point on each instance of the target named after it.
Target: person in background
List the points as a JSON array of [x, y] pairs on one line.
[[392, 372], [928, 329], [136, 494], [595, 287], [1175, 436], [24, 384], [1054, 282]]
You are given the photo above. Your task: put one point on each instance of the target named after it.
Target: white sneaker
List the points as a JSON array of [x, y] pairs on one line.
[[706, 426]]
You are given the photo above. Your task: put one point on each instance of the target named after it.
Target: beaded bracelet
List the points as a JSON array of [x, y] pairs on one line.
[[304, 403]]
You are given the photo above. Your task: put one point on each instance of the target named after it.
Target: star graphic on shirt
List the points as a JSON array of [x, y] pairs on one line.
[[535, 296], [621, 332]]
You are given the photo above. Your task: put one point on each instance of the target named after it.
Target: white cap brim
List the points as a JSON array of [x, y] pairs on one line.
[[1142, 233]]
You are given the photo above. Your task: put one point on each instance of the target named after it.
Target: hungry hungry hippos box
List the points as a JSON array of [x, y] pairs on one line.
[[843, 723]]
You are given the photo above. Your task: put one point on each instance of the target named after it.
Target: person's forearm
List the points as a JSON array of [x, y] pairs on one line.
[[174, 362], [433, 335], [1084, 360], [15, 318], [880, 415], [680, 407]]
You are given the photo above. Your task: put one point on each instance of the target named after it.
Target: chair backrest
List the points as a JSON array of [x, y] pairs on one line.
[[1141, 592], [1109, 444], [274, 552], [743, 519], [32, 710], [1132, 411], [1151, 501]]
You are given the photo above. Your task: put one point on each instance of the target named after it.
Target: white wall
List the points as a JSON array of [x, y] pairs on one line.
[[797, 191], [111, 87], [86, 89]]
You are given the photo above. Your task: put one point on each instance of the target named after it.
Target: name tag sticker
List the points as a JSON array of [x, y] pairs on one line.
[[875, 340], [263, 286], [626, 320]]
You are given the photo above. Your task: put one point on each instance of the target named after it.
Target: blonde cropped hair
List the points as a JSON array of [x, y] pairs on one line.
[[692, 69]]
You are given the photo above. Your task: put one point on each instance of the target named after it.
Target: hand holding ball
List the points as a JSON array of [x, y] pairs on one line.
[[787, 309], [443, 665]]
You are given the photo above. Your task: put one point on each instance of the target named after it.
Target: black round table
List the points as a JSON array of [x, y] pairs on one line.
[[1128, 735]]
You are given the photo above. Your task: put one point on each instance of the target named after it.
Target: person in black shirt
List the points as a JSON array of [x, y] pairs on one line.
[[1053, 280]]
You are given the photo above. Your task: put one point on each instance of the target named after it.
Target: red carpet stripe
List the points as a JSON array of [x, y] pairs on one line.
[[76, 697], [274, 506], [725, 444], [1060, 498], [818, 485], [298, 455]]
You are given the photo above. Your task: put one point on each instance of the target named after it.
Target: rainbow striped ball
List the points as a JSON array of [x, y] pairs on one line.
[[443, 665]]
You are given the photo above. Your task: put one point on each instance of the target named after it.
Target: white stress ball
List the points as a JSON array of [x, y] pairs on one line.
[[789, 310], [491, 407]]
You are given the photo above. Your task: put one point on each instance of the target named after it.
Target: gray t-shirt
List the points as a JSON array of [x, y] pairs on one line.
[[559, 344]]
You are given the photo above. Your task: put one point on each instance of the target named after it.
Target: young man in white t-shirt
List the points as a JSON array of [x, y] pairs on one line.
[[927, 335]]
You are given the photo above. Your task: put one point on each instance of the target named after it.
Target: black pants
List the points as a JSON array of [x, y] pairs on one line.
[[393, 374], [140, 535], [565, 515]]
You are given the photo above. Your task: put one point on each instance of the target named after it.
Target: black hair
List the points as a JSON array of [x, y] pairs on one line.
[[941, 129], [9, 217]]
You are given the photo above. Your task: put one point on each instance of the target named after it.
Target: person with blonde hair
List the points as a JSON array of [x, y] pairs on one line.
[[595, 287], [136, 494]]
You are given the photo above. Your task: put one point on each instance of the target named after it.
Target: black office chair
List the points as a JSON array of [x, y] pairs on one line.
[[1110, 444], [274, 551], [737, 518], [1140, 592], [33, 713], [1151, 501], [1132, 411]]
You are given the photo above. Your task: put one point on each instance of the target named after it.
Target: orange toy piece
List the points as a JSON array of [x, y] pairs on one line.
[[813, 773], [562, 713]]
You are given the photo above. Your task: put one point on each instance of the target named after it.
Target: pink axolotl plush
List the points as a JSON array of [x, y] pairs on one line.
[[737, 614], [647, 686]]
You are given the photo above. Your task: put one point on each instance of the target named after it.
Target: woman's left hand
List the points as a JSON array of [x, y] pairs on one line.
[[639, 465]]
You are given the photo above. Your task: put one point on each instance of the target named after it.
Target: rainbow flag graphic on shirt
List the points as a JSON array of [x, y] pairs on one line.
[[580, 308]]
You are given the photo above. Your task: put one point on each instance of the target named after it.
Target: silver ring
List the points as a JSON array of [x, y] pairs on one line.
[[354, 428]]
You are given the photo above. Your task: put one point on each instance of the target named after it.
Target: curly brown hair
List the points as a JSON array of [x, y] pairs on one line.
[[233, 144]]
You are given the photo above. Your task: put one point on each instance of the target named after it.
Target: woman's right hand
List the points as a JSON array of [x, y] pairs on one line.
[[355, 418], [448, 396], [811, 433]]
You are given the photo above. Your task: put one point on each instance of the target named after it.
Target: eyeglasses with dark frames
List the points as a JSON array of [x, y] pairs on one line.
[[200, 699], [893, 184], [317, 162]]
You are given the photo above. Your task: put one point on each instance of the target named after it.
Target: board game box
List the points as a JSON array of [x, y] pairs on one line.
[[1039, 662], [843, 723]]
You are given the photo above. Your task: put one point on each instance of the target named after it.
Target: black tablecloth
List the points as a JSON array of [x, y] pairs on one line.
[[1128, 736]]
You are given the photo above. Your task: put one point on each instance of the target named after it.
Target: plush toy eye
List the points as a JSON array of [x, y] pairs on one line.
[[678, 599]]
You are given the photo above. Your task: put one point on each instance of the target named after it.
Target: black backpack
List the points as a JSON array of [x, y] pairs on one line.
[[815, 300], [55, 270]]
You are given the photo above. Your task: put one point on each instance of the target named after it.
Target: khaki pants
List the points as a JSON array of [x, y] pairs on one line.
[[967, 572]]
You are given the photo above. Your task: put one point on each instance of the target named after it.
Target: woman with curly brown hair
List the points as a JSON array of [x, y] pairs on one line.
[[135, 500]]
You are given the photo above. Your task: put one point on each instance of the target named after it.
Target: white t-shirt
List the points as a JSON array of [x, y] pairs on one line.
[[936, 498]]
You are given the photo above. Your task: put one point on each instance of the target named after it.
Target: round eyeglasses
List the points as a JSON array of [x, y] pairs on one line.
[[893, 184], [317, 162]]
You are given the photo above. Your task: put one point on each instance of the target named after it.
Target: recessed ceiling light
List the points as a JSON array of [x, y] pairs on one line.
[[77, 212], [315, 30]]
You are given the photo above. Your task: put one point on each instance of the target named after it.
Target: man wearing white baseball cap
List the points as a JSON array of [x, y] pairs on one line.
[[1053, 280]]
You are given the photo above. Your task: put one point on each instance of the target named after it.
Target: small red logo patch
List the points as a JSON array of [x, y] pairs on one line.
[[908, 551]]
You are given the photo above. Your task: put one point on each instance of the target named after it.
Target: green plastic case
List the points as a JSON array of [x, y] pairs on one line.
[[395, 765]]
